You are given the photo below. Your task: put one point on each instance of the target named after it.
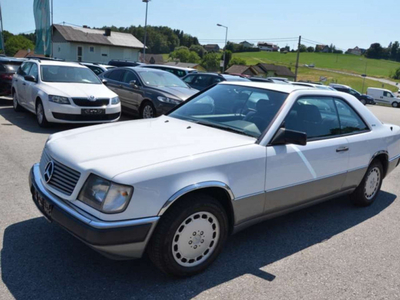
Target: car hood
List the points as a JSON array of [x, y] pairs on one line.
[[111, 149], [177, 92], [79, 90]]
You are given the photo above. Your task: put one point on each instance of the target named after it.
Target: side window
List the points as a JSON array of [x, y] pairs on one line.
[[34, 71], [387, 94], [179, 73], [114, 75], [129, 76], [96, 70], [349, 120], [216, 80], [201, 80], [316, 116], [188, 79], [24, 69]]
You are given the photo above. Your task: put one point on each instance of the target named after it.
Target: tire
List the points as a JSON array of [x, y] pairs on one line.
[[368, 190], [189, 236], [40, 115], [16, 106], [395, 104], [148, 111]]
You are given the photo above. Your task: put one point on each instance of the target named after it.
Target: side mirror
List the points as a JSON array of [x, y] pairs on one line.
[[30, 78], [104, 81], [134, 84], [286, 136]]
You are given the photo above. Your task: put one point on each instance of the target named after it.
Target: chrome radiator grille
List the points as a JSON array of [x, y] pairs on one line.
[[63, 179]]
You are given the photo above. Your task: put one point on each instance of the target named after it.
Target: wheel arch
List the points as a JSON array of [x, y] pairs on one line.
[[383, 157], [219, 190]]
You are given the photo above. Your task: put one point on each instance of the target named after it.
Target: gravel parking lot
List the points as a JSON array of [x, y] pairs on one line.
[[330, 251]]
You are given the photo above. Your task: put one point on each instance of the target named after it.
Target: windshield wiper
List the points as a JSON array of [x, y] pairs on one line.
[[223, 127]]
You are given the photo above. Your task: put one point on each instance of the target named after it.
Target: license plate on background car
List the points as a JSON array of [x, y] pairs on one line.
[[45, 207], [93, 111]]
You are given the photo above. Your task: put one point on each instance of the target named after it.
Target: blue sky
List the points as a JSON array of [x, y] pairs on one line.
[[345, 23]]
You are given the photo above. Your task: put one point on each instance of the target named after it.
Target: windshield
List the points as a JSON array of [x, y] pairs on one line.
[[244, 110], [162, 79], [68, 74]]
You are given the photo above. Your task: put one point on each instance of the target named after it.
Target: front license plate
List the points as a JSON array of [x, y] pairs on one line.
[[44, 206], [93, 111]]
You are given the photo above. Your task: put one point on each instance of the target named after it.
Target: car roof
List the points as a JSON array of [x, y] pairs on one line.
[[4, 59], [58, 63], [139, 68], [97, 65], [283, 88], [166, 66]]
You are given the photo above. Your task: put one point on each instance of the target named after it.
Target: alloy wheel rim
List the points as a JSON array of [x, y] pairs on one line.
[[195, 239], [372, 183], [39, 113], [394, 104], [148, 112]]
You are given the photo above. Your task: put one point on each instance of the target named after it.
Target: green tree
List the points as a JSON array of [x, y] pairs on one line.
[[17, 42], [184, 55], [237, 61], [210, 62], [228, 57], [198, 49], [375, 51], [394, 50], [303, 48], [310, 49]]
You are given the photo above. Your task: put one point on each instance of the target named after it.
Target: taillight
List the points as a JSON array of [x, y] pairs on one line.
[[6, 76]]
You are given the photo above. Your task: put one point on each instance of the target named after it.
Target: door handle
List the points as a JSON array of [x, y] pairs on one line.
[[120, 86], [342, 149], [23, 83]]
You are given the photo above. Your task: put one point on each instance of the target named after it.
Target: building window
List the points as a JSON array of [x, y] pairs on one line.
[[91, 49]]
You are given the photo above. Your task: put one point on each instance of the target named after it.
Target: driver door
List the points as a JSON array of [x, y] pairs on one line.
[[299, 174], [130, 95]]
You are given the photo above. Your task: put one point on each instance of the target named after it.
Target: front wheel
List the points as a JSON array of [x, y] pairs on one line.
[[395, 104], [189, 236], [366, 193], [148, 111]]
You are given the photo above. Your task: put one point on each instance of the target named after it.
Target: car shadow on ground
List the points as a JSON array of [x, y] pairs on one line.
[[41, 261], [27, 121]]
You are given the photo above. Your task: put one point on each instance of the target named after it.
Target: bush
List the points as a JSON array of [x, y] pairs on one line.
[[237, 61], [396, 74]]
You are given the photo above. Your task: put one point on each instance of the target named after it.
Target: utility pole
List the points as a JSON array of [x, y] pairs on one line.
[[364, 75], [2, 33], [226, 41], [145, 31], [297, 60], [52, 29]]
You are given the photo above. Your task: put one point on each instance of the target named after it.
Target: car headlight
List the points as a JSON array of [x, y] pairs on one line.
[[115, 100], [168, 100], [59, 99], [104, 195]]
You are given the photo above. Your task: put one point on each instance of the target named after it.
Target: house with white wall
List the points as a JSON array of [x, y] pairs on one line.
[[93, 45]]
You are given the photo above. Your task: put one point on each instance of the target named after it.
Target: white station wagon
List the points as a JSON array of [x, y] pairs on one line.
[[234, 155]]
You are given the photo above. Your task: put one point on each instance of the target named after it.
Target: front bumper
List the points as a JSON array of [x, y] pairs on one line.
[[114, 239]]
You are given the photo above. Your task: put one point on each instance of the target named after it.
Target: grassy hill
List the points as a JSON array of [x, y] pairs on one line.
[[342, 62]]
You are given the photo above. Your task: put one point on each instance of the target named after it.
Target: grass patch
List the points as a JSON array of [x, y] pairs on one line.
[[355, 82], [342, 62]]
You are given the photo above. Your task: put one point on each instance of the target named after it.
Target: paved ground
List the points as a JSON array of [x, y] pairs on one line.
[[330, 251]]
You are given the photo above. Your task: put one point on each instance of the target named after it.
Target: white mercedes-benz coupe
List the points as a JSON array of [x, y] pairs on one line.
[[236, 154], [63, 92]]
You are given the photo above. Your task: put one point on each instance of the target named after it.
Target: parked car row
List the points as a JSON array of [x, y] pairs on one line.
[[60, 92]]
